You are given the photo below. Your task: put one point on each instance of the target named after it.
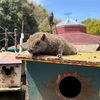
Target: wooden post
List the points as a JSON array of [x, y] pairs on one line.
[[55, 29], [15, 34], [6, 39], [51, 29], [22, 26]]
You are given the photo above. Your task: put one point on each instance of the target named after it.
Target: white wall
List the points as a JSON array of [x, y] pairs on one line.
[[86, 47]]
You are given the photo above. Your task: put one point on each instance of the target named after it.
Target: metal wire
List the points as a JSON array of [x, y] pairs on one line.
[[11, 37], [17, 42], [2, 39]]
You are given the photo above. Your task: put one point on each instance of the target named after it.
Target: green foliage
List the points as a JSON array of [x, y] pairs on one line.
[[44, 26], [13, 12], [86, 21], [56, 21], [92, 25], [41, 16], [40, 13]]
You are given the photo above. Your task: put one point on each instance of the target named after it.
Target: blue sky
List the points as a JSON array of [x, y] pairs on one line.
[[79, 9]]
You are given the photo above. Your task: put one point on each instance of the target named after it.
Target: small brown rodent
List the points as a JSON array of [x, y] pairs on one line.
[[49, 44]]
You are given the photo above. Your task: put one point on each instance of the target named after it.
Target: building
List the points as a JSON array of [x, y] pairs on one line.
[[75, 33]]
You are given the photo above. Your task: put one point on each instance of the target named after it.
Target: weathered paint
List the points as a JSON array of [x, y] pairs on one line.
[[45, 79], [10, 83], [82, 58], [9, 58], [14, 79], [33, 89]]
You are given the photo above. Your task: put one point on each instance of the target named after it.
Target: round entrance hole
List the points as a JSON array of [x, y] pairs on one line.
[[70, 87]]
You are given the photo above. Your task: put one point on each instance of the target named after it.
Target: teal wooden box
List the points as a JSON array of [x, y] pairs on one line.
[[70, 79]]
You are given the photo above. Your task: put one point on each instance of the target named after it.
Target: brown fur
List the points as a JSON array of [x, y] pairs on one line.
[[49, 44]]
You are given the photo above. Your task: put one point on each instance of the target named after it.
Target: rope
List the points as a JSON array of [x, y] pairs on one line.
[[17, 41], [2, 33], [2, 39], [11, 37]]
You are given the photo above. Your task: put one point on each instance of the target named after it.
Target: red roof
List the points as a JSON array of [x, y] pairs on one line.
[[77, 38], [74, 32], [80, 37]]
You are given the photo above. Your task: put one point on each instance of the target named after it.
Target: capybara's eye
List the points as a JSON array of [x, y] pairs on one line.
[[38, 42]]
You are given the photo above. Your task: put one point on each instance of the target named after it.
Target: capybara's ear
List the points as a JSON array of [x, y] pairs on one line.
[[43, 37]]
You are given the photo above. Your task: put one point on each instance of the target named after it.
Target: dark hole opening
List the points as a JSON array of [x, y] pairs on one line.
[[70, 87]]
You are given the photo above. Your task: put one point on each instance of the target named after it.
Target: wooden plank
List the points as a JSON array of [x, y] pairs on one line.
[[81, 58]]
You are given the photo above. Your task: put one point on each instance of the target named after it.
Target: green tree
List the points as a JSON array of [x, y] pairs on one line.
[[92, 25], [56, 21], [12, 12], [86, 21], [44, 25], [40, 13]]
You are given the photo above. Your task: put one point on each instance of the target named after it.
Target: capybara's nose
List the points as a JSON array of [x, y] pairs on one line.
[[30, 50]]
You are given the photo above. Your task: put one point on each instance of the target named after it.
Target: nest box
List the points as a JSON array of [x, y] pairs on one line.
[[10, 72], [74, 77]]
